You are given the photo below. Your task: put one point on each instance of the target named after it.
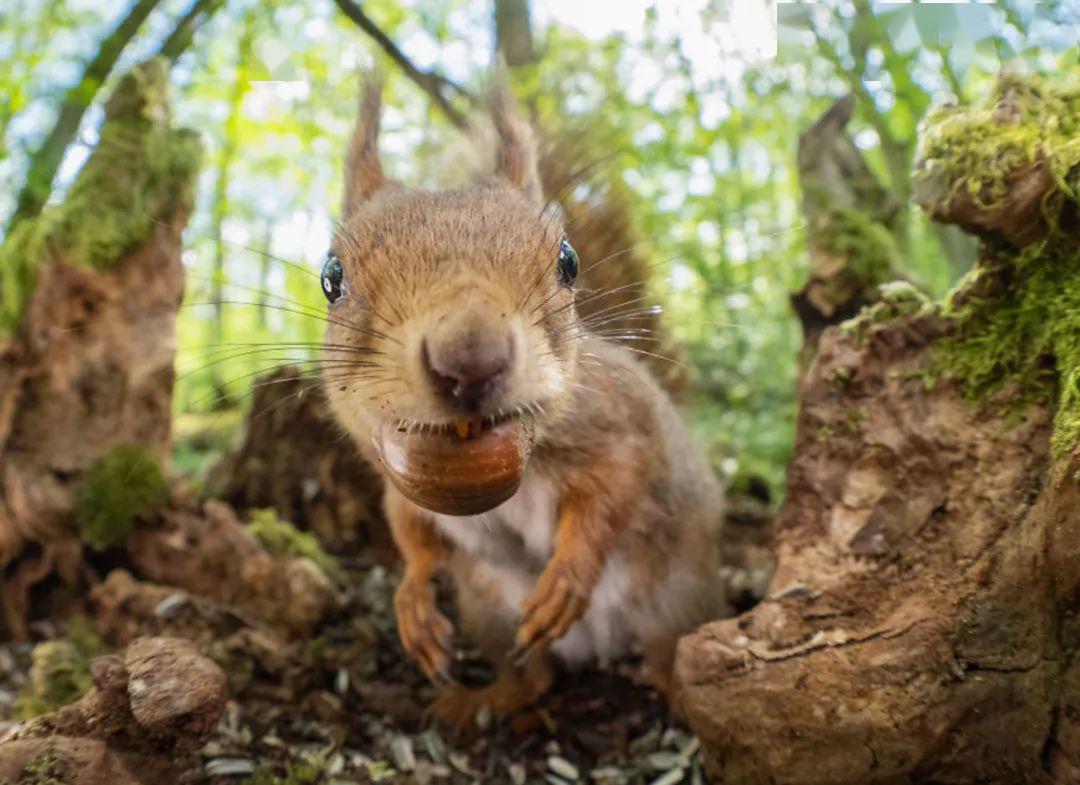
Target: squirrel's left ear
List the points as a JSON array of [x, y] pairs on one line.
[[516, 159], [363, 171]]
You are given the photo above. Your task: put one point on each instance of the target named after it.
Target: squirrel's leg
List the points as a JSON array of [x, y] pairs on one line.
[[425, 633], [488, 616], [515, 688], [586, 532]]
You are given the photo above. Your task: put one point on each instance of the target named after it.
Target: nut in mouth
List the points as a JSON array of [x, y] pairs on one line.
[[462, 467]]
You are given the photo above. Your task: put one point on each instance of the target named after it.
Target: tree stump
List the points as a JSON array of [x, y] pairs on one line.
[[89, 292], [921, 624]]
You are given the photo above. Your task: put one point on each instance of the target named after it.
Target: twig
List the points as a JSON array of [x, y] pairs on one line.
[[432, 83]]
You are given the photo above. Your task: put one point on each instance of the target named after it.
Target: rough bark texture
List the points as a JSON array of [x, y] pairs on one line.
[[148, 709], [296, 459], [90, 293], [849, 220], [920, 626]]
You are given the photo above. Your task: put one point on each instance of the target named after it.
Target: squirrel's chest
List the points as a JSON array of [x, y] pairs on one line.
[[518, 532]]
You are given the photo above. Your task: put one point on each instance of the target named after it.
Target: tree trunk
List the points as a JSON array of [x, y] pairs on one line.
[[87, 325], [46, 160], [850, 222], [920, 626], [513, 32]]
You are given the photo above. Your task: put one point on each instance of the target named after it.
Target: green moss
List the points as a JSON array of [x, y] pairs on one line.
[[897, 298], [60, 670], [972, 149], [281, 538], [45, 768], [126, 484], [139, 172], [1017, 313], [867, 245], [295, 774], [1018, 326]]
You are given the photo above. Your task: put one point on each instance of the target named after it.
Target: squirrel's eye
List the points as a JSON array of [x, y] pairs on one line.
[[567, 266], [333, 276]]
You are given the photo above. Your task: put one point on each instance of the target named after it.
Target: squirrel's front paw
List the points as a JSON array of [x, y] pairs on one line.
[[425, 633], [558, 600]]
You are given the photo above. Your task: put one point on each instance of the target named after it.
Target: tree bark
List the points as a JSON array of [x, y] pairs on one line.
[[513, 32], [46, 160], [91, 292], [183, 34], [842, 202], [920, 626]]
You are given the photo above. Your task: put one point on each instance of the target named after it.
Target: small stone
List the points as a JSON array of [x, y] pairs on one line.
[[672, 777], [434, 746], [341, 682], [170, 605], [517, 772], [665, 761], [607, 774], [563, 768], [229, 767], [461, 762], [401, 750], [690, 748]]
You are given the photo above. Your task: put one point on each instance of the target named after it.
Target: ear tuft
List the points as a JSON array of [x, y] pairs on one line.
[[363, 171], [516, 159]]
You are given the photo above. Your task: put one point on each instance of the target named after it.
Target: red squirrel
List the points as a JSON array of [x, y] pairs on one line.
[[536, 463]]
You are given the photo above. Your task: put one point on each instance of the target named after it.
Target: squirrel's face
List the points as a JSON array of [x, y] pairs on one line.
[[452, 334], [460, 306]]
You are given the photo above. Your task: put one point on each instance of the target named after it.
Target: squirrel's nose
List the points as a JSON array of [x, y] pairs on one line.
[[468, 368]]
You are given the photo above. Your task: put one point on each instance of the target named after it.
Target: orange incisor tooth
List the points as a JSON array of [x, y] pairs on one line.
[[462, 428]]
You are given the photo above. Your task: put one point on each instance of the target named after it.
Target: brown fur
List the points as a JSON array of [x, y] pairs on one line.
[[637, 507]]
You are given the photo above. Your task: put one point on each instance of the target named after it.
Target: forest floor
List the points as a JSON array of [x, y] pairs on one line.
[[360, 716]]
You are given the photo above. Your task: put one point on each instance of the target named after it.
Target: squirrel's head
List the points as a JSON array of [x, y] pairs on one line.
[[452, 337]]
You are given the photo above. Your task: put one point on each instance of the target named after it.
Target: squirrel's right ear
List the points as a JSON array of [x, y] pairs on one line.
[[516, 159], [363, 171]]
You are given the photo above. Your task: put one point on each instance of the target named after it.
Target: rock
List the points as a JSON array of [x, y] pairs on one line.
[[147, 710], [174, 691]]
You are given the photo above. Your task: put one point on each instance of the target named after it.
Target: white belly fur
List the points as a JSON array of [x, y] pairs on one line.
[[527, 521]]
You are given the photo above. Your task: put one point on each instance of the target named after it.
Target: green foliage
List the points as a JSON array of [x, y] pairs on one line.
[[126, 484], [60, 670], [281, 538]]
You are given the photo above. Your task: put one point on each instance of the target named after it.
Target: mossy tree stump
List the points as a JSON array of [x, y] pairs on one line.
[[89, 292], [921, 626]]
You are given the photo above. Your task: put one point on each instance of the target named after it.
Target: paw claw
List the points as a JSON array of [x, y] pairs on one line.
[[548, 613], [426, 635]]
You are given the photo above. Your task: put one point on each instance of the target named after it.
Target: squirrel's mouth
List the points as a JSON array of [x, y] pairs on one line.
[[463, 428], [462, 467]]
